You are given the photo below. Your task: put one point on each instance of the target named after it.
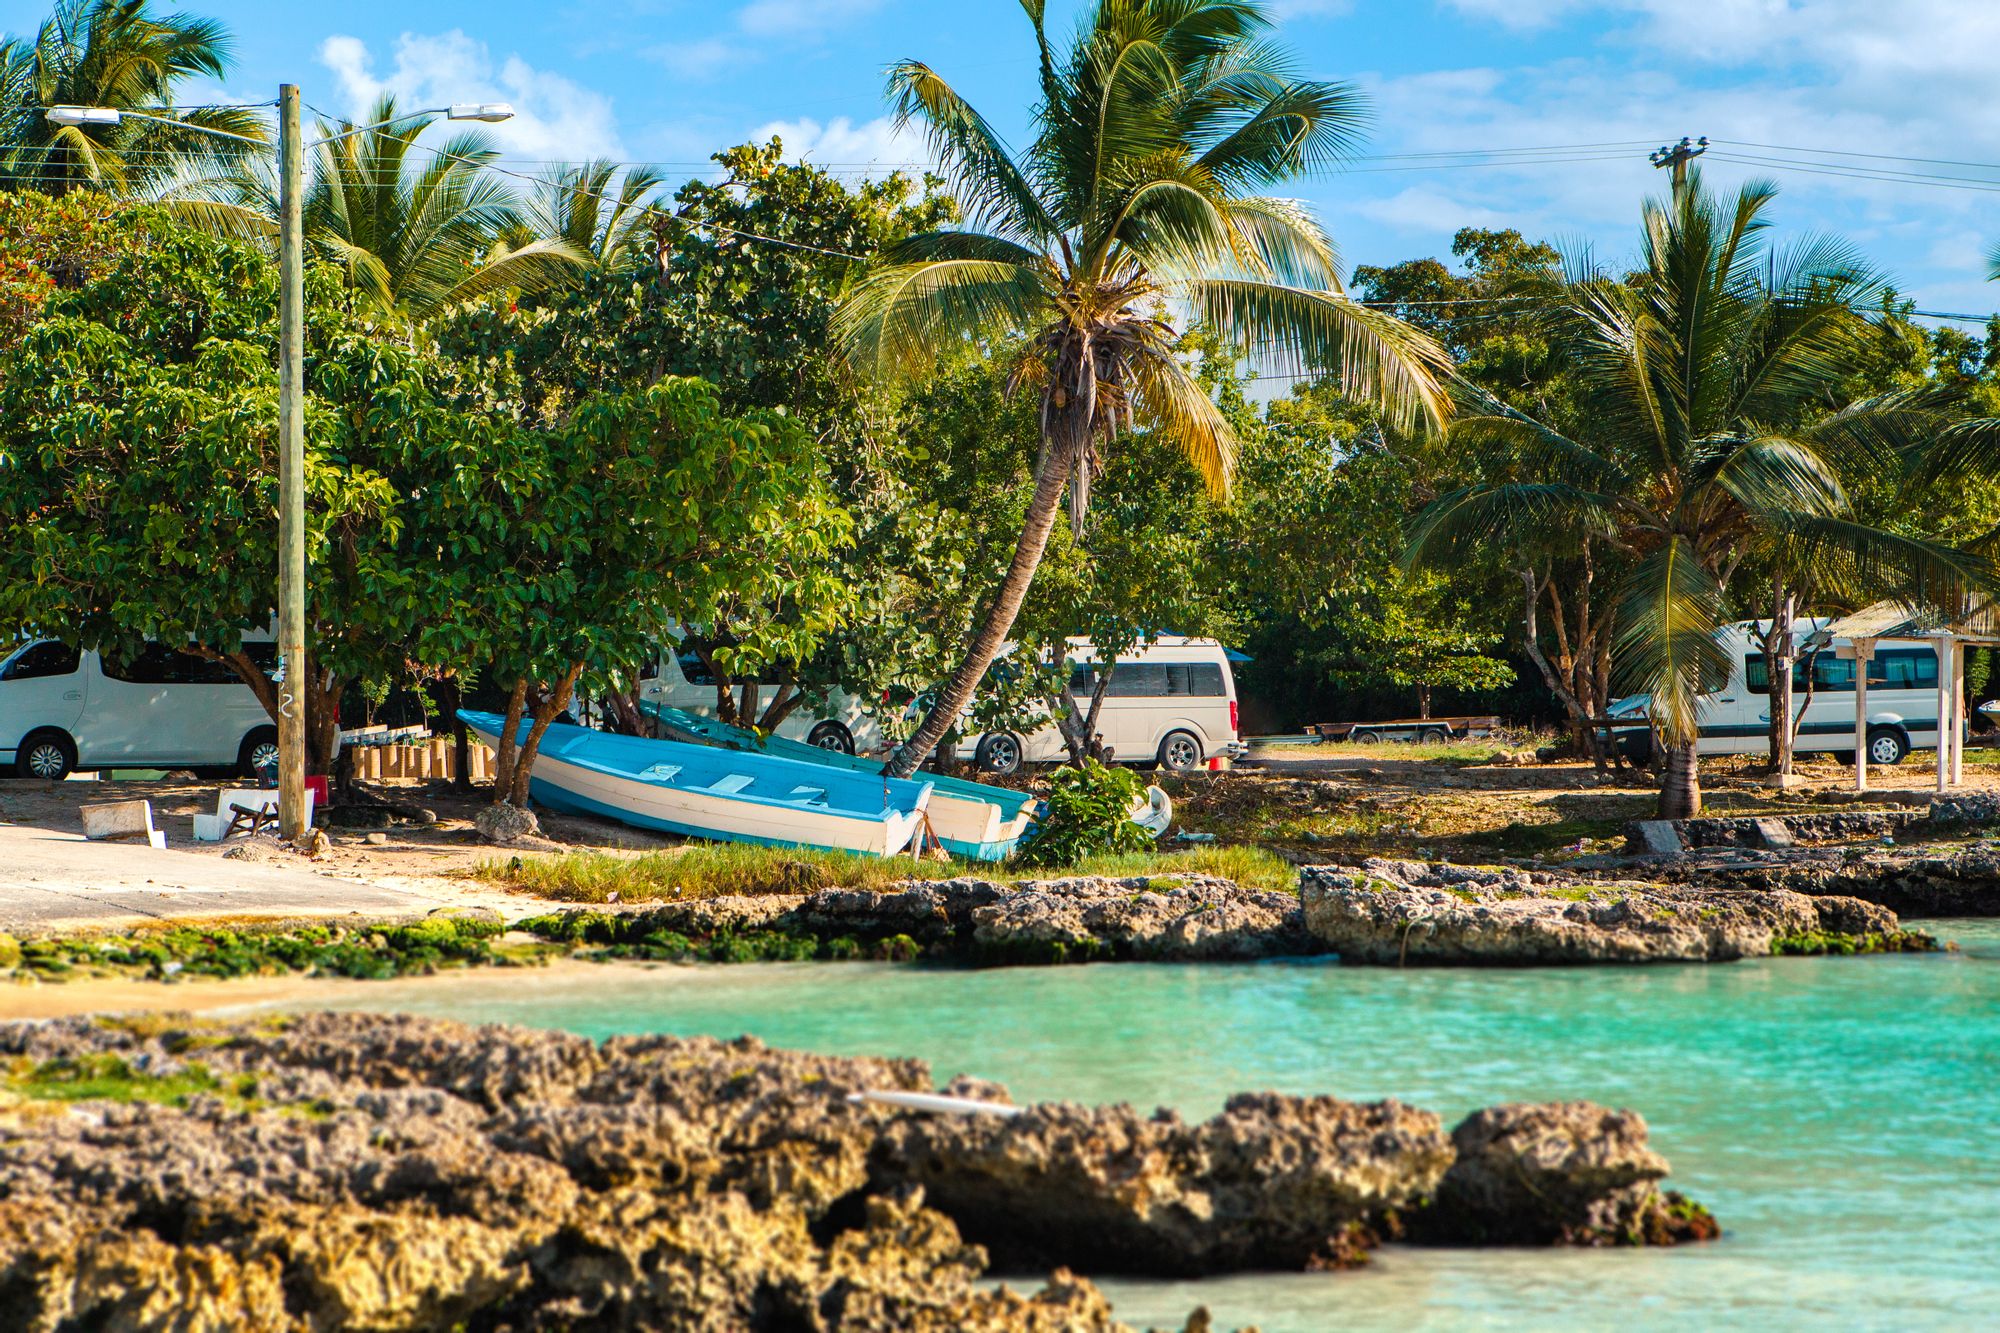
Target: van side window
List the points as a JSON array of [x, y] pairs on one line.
[[158, 664], [1205, 680], [693, 671], [1830, 674], [1138, 680], [1904, 669], [38, 660]]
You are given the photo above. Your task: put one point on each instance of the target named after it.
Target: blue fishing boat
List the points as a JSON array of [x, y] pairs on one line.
[[707, 792], [971, 819]]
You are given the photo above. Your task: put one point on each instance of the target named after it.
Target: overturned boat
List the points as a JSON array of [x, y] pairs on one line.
[[707, 792], [969, 819]]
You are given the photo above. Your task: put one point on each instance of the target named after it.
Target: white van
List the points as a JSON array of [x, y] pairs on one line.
[[1172, 703], [1736, 719], [63, 710], [679, 680]]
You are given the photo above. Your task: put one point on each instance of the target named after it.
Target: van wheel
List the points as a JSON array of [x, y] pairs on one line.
[[259, 750], [1181, 752], [998, 753], [831, 736], [48, 755], [1887, 745]]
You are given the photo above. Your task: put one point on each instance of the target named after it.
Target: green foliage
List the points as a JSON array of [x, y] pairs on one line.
[[711, 870], [370, 950], [1089, 813], [1821, 942]]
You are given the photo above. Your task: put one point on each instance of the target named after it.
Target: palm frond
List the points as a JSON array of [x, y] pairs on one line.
[[1774, 475], [1169, 400], [990, 187], [1460, 525], [901, 316], [1666, 644], [1296, 331]]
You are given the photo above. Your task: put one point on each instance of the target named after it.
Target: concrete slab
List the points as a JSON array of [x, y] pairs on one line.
[[53, 881], [1659, 837], [1773, 834]]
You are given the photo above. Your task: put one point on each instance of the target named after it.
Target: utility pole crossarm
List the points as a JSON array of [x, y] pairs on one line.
[[1678, 156]]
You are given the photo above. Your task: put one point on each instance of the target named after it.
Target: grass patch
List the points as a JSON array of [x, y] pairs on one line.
[[1516, 838], [1457, 754], [367, 951], [110, 1078], [1821, 942], [713, 870]]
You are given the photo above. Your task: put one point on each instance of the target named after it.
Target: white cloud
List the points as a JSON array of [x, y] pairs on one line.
[[875, 145], [554, 118], [1428, 209]]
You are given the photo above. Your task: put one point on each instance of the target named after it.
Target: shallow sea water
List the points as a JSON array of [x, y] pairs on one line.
[[1841, 1116]]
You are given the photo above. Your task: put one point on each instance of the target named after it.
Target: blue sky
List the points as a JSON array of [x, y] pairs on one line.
[[671, 80]]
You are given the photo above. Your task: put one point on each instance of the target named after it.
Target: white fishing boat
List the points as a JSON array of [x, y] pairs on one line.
[[971, 819], [707, 792]]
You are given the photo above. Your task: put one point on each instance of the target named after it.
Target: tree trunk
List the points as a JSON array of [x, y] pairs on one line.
[[506, 752], [623, 706], [1072, 424], [461, 741], [547, 706], [1423, 703], [1680, 788], [782, 705]]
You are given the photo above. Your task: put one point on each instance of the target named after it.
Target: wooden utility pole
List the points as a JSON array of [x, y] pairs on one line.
[[291, 473], [1678, 156]]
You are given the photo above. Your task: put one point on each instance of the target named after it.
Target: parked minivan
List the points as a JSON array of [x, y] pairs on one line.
[[63, 710], [1736, 719], [679, 680], [1172, 703]]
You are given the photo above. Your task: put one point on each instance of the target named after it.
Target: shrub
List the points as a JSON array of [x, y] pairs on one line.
[[1089, 811]]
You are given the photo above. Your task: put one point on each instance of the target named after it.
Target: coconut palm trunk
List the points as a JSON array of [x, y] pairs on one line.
[[1680, 783]]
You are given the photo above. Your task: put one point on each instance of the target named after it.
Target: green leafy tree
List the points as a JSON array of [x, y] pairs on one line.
[[562, 554], [1154, 133], [128, 56], [736, 282], [138, 425], [1699, 429]]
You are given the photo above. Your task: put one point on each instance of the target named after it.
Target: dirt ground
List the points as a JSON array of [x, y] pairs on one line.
[[1305, 803]]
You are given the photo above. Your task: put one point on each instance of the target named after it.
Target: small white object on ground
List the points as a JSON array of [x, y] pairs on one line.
[[122, 821], [934, 1101]]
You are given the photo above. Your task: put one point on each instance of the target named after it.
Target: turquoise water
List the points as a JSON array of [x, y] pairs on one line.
[[1841, 1116]]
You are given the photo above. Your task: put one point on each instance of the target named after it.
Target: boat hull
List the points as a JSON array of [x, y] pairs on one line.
[[969, 819], [586, 788]]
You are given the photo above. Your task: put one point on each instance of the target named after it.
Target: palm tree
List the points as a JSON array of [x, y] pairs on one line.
[[1134, 203], [117, 54], [1706, 426], [414, 229], [594, 210]]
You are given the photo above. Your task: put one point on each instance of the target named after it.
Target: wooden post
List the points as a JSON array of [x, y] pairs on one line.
[[1943, 711], [1863, 654], [291, 471], [1958, 713]]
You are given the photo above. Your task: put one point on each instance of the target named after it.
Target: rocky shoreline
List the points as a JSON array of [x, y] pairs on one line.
[[351, 1170], [1160, 918], [1415, 912]]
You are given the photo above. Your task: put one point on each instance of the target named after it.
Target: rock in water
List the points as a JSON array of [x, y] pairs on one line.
[[1414, 912], [502, 824], [1272, 1182], [1558, 1173]]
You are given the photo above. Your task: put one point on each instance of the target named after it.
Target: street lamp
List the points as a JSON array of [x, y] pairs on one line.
[[291, 404]]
